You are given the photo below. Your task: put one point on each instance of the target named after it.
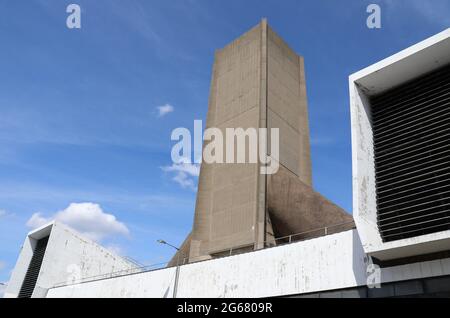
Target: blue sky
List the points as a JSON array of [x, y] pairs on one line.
[[78, 108]]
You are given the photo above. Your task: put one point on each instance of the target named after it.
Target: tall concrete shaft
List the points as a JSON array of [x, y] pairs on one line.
[[259, 82]]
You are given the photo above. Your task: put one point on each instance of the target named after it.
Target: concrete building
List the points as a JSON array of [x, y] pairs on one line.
[[55, 254], [400, 120], [401, 243], [258, 81], [329, 266]]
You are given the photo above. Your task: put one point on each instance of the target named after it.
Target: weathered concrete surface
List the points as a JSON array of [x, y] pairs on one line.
[[182, 255], [329, 262], [68, 256], [294, 207], [399, 68], [322, 263], [326, 263], [155, 284], [258, 81], [288, 106], [227, 193]]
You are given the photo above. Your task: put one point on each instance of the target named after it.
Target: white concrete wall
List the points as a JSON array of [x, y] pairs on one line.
[[15, 282], [156, 284], [68, 256], [416, 270], [330, 262], [363, 174], [399, 68]]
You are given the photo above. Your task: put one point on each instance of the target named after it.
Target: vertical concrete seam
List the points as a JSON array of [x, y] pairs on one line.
[[306, 176], [266, 34], [261, 208]]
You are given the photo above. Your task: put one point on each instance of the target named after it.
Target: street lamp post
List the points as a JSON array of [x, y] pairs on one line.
[[165, 243], [177, 271]]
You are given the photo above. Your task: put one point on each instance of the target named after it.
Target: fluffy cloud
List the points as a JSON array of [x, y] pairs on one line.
[[184, 181], [87, 218], [191, 169], [37, 220], [184, 174], [165, 109]]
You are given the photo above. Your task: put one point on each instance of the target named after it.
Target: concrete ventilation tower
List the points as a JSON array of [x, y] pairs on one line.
[[258, 81]]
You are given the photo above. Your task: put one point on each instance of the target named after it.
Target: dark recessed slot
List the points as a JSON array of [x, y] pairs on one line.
[[32, 274], [411, 129]]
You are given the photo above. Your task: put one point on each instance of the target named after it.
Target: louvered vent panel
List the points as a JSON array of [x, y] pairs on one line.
[[34, 268], [411, 126]]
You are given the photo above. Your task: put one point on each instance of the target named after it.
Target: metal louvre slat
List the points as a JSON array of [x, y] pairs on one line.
[[397, 141], [382, 131], [412, 155], [391, 177], [411, 132], [405, 90], [413, 195], [414, 165], [419, 157], [399, 106], [427, 144], [415, 206], [443, 114], [404, 102], [413, 190], [403, 220], [429, 221], [409, 204], [423, 177], [422, 231], [418, 108], [408, 89]]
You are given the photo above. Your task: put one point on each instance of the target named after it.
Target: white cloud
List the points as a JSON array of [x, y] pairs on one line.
[[5, 214], [192, 169], [165, 109], [184, 181], [37, 220], [184, 174], [87, 218]]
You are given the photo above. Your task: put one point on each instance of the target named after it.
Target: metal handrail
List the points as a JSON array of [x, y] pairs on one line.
[[150, 268], [289, 237]]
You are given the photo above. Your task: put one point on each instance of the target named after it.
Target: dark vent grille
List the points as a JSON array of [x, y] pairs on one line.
[[32, 274], [411, 126]]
